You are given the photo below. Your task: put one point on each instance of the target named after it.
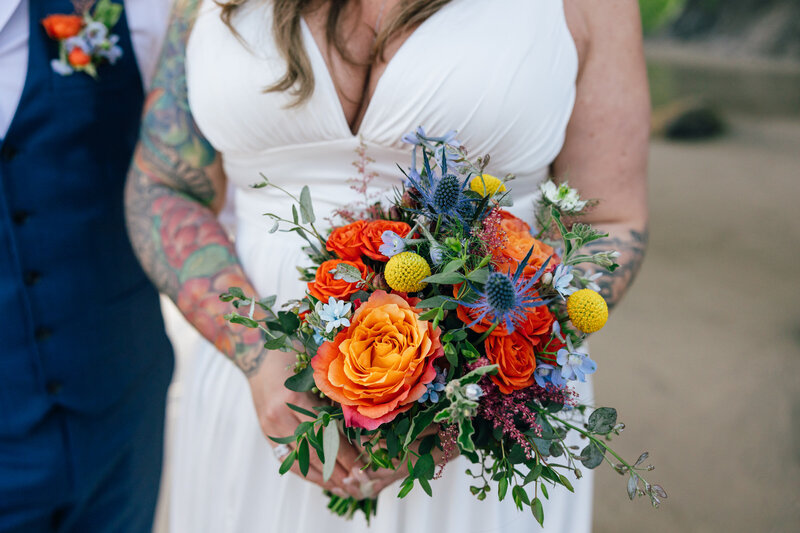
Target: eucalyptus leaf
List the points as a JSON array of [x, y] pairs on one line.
[[330, 446], [602, 420], [346, 272], [306, 207], [592, 455], [633, 482]]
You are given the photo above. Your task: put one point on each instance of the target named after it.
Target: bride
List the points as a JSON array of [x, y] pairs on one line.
[[292, 89]]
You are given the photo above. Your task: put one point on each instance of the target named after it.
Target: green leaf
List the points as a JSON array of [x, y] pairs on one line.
[[427, 444], [592, 455], [479, 276], [346, 272], [426, 486], [520, 495], [418, 425], [107, 12], [465, 432], [301, 382], [543, 487], [502, 488], [306, 206], [330, 446], [633, 482], [566, 483], [283, 440], [433, 301], [295, 217], [453, 265], [538, 511], [406, 487], [445, 278], [431, 314], [301, 410], [303, 459], [602, 420], [289, 321], [287, 463], [443, 415], [450, 354], [556, 216], [242, 320], [533, 475], [477, 374], [424, 467], [275, 343], [392, 444]]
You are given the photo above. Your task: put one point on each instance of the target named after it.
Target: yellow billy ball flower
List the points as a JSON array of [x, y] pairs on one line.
[[487, 185], [587, 310], [405, 272]]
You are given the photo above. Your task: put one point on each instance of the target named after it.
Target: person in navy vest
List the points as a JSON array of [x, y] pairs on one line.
[[84, 359]]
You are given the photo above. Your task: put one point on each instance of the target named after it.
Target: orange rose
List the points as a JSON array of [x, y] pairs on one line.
[[518, 243], [78, 58], [380, 365], [62, 26], [371, 236], [516, 360], [325, 285], [345, 241]]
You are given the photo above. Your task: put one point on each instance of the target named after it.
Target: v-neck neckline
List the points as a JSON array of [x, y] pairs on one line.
[[314, 49]]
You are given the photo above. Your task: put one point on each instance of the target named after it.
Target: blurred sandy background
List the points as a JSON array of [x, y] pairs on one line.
[[702, 358]]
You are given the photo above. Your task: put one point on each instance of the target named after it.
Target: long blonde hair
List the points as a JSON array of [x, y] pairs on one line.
[[298, 79]]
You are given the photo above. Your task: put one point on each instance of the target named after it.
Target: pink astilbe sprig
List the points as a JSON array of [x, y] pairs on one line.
[[448, 439], [491, 234], [510, 412]]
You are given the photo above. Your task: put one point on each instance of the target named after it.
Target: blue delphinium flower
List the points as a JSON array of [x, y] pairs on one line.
[[334, 314], [61, 67], [434, 387], [77, 42], [95, 34], [392, 245], [562, 277], [505, 299], [575, 366], [546, 373]]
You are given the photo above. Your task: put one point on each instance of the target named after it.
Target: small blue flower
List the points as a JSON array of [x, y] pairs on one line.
[[434, 387], [318, 338], [112, 54], [95, 34], [575, 366], [591, 282], [61, 67], [392, 245], [334, 314], [562, 277], [437, 254], [545, 374]]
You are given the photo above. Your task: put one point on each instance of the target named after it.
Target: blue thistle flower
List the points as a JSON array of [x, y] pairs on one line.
[[505, 299], [442, 195]]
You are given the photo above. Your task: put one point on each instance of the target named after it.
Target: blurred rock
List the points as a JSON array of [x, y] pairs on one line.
[[687, 120]]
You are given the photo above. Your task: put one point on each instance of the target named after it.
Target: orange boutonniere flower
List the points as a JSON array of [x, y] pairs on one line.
[[62, 26], [380, 365]]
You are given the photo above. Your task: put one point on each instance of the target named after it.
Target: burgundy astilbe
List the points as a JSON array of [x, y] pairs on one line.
[[491, 234], [510, 412]]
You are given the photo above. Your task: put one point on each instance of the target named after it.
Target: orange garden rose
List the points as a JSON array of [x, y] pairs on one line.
[[371, 236], [325, 285], [516, 360], [518, 243], [345, 241], [62, 26], [78, 58], [379, 366]]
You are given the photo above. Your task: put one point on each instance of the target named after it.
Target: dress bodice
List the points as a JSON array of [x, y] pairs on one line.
[[501, 73]]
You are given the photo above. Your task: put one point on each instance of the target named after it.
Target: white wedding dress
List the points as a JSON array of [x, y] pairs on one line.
[[503, 74]]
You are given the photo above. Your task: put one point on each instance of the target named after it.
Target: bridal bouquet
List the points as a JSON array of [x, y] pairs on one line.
[[442, 325]]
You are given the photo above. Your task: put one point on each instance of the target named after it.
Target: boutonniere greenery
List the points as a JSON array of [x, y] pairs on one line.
[[84, 39]]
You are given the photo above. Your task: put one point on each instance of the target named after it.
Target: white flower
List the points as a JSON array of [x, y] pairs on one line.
[[334, 314], [562, 196]]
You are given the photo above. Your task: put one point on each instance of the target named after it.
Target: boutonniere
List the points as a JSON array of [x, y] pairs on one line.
[[85, 39]]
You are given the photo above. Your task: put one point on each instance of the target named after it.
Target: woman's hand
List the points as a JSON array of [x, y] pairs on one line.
[[277, 420]]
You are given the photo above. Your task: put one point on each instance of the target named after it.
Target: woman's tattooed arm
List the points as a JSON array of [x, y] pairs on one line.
[[174, 188], [631, 245]]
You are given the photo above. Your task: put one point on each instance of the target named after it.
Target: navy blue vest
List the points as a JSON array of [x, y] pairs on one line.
[[80, 325]]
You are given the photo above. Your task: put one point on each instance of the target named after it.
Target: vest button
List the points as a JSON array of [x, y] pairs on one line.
[[54, 387], [31, 277], [20, 217], [42, 333], [8, 152]]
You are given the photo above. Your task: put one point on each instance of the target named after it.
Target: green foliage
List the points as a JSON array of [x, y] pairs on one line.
[[657, 13]]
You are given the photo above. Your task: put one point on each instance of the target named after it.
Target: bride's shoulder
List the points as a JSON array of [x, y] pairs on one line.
[[594, 25]]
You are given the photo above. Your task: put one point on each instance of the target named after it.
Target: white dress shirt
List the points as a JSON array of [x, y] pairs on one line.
[[147, 20]]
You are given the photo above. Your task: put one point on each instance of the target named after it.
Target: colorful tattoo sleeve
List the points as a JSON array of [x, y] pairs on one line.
[[175, 179]]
